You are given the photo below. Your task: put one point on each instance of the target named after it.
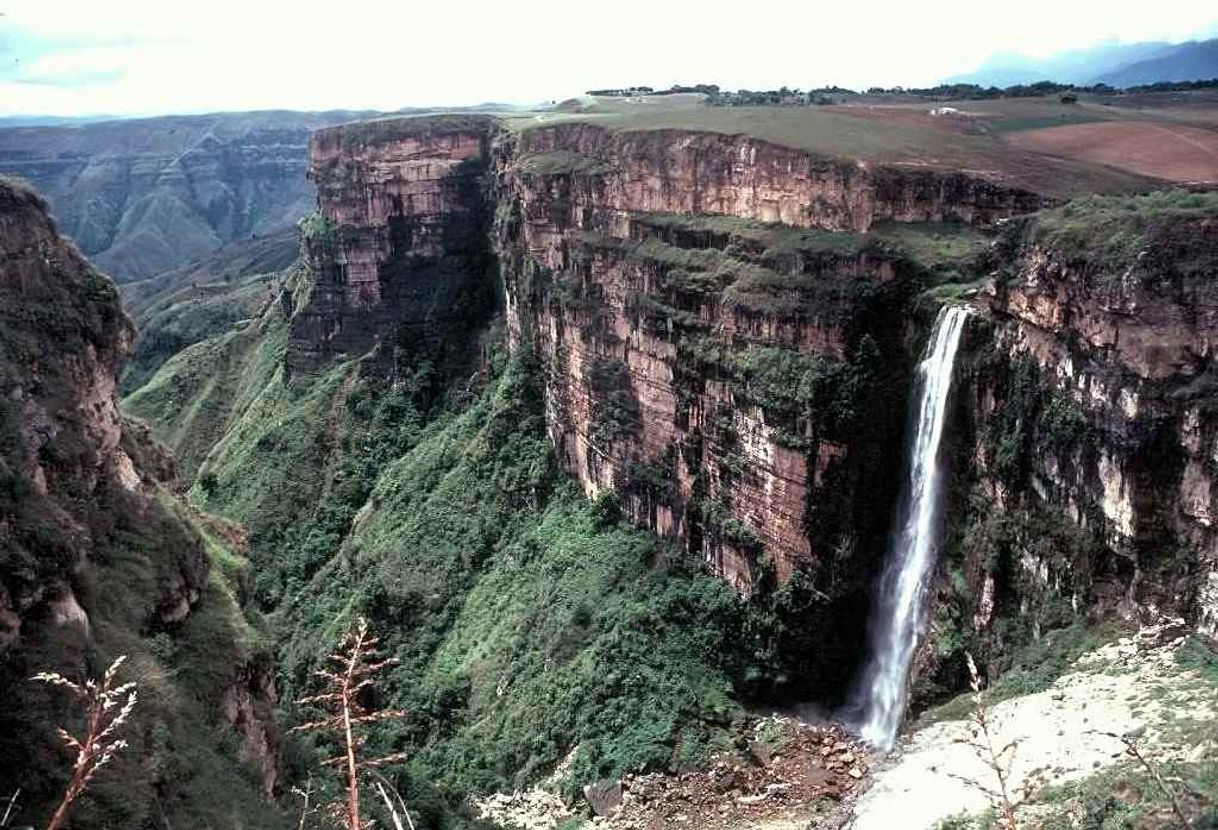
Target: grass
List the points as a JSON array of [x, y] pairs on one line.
[[192, 400], [805, 128], [526, 626], [560, 161], [1125, 797], [190, 316], [1112, 232], [944, 246], [1040, 122]]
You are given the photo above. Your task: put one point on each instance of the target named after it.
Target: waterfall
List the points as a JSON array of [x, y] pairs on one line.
[[900, 604]]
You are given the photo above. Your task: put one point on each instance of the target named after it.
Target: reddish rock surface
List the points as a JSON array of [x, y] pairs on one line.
[[1130, 354], [674, 171], [802, 776], [570, 204]]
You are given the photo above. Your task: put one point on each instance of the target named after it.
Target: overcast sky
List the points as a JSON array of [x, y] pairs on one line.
[[69, 57]]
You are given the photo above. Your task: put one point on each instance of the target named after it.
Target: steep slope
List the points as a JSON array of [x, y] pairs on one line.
[[261, 255], [740, 386], [1085, 430], [177, 309], [530, 624], [144, 196], [100, 558]]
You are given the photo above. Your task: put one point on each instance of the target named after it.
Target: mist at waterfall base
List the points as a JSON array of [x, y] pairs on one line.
[[877, 705]]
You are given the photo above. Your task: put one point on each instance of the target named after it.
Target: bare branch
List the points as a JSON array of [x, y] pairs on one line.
[[355, 669], [107, 707]]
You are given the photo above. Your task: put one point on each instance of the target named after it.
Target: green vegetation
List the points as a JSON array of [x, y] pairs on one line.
[[196, 396], [1198, 654], [1034, 667], [615, 410], [1127, 797], [191, 315], [317, 226], [527, 626], [817, 129], [941, 247], [561, 161], [1112, 232]]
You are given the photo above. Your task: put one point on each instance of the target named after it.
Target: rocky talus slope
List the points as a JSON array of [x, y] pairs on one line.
[[101, 558]]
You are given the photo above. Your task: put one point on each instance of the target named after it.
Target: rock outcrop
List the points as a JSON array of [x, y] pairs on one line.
[[652, 334], [99, 556], [680, 171], [1090, 397], [400, 250]]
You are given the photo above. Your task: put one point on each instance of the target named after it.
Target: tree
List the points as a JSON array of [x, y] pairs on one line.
[[107, 708], [356, 666]]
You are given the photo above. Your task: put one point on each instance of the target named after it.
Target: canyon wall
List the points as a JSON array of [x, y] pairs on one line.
[[726, 344], [680, 171], [738, 384], [100, 558], [708, 366], [1087, 434], [400, 249]]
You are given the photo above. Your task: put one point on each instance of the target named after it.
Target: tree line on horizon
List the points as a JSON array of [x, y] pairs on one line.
[[786, 96]]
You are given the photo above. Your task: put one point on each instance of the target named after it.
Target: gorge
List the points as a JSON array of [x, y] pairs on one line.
[[607, 430]]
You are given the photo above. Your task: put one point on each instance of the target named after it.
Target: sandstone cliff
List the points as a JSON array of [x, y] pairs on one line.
[[726, 331], [1086, 428], [400, 250], [652, 333]]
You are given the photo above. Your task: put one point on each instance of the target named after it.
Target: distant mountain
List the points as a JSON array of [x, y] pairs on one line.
[[1113, 64], [1185, 62], [144, 196]]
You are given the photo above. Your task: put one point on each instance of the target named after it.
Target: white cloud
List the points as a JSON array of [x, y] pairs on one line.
[[136, 56]]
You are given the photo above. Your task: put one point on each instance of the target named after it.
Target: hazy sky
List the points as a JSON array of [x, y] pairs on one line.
[[69, 57]]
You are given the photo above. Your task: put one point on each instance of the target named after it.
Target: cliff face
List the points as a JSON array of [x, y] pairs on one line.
[[674, 171], [63, 338], [738, 385], [726, 332], [712, 370], [1089, 398], [99, 557], [400, 250]]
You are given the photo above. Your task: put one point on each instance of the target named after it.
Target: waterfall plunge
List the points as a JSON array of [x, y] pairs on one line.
[[900, 604]]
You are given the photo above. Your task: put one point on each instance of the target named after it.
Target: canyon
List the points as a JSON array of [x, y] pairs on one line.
[[604, 430], [144, 196], [740, 385]]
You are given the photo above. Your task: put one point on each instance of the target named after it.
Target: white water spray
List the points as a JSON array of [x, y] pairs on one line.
[[900, 604]]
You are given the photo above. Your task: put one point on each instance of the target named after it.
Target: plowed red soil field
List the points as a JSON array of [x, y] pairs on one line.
[[1166, 151]]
